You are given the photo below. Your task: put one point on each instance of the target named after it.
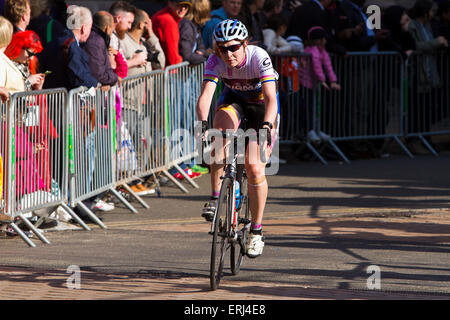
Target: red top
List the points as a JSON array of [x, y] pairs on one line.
[[165, 26]]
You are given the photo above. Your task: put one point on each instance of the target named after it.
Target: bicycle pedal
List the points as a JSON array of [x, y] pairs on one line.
[[244, 221]]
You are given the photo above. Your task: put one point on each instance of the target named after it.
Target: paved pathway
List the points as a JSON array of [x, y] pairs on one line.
[[324, 226]]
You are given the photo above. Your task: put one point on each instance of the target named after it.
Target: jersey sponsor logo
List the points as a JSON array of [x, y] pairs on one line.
[[266, 64], [242, 84]]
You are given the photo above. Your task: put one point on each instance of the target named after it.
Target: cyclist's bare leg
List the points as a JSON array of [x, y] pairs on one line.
[[257, 183]]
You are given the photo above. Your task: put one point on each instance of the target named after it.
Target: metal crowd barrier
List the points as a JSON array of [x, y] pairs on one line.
[[6, 130], [370, 102], [140, 129], [427, 87], [58, 148], [7, 175], [91, 138], [4, 159], [182, 89], [34, 138], [297, 99], [381, 97]]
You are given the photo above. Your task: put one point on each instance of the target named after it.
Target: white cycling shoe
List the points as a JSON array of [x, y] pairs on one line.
[[255, 245]]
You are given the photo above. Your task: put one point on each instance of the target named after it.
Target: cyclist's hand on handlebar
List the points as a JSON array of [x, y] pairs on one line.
[[268, 136], [205, 127]]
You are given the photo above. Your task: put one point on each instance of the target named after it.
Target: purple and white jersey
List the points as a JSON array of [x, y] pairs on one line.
[[246, 79]]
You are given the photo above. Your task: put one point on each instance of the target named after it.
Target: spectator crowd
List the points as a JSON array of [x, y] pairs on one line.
[[48, 44]]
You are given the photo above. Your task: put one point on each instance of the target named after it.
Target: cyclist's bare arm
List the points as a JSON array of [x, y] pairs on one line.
[[204, 101], [269, 91]]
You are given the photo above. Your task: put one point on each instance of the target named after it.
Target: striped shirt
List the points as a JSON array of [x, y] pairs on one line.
[[246, 79]]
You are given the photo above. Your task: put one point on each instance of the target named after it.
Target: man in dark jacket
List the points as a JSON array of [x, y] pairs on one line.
[[63, 56], [44, 24], [441, 23], [314, 14], [352, 30], [96, 47]]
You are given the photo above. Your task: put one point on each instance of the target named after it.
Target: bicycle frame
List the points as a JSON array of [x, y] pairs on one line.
[[234, 172]]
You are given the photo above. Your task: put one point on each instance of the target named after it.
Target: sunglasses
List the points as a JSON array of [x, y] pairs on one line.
[[232, 48], [30, 53]]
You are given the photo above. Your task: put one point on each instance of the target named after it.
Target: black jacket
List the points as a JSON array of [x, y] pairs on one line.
[[96, 47], [45, 26], [440, 28], [312, 15], [398, 40], [68, 62], [347, 16], [191, 41]]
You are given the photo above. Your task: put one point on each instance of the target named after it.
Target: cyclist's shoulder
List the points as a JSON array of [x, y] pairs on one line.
[[257, 55]]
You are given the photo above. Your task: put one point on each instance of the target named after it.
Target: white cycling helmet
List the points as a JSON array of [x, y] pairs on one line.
[[228, 30]]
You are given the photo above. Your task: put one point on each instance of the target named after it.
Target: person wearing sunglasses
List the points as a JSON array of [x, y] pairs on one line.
[[23, 47], [250, 91]]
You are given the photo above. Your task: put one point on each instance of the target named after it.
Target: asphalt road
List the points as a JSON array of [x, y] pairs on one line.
[[324, 226]]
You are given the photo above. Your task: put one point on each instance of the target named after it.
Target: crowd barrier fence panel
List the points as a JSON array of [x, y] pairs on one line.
[[368, 106], [370, 102], [7, 169], [297, 96], [38, 158], [427, 87], [4, 157], [182, 88], [141, 137], [91, 141]]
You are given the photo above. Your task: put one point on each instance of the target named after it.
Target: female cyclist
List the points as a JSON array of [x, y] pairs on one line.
[[250, 91]]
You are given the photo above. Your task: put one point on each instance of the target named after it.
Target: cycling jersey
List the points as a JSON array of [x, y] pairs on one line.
[[245, 80]]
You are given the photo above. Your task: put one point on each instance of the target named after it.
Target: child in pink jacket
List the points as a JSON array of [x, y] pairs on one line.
[[312, 71], [315, 45]]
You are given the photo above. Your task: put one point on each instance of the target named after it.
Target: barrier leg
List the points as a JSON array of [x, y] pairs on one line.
[[429, 147], [91, 215], [123, 200], [75, 217], [402, 145], [34, 229], [171, 178], [316, 153], [22, 235], [338, 151], [185, 175], [138, 198]]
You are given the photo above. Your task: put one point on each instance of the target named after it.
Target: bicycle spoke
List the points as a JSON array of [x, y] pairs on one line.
[[238, 249], [220, 243]]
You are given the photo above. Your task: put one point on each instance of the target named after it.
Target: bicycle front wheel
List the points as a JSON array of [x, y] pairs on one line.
[[237, 251], [220, 242]]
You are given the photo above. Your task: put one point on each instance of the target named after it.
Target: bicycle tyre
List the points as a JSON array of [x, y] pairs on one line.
[[220, 242], [237, 251]]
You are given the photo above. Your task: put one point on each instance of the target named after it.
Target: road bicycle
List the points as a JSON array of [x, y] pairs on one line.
[[231, 224]]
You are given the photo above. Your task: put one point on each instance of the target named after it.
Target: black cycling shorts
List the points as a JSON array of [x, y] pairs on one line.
[[251, 113]]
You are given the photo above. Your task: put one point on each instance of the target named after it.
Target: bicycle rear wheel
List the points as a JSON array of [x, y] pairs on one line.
[[237, 251], [220, 242]]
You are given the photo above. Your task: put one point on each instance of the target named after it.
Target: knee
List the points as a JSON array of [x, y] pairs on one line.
[[255, 173], [226, 118]]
